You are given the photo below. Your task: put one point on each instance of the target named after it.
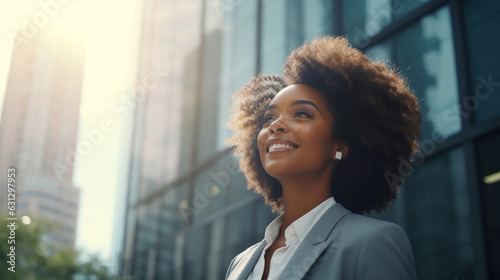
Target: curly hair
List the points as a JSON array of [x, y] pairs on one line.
[[375, 114], [247, 120]]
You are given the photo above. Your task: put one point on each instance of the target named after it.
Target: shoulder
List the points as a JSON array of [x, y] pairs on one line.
[[345, 228], [378, 247], [361, 231], [366, 226]]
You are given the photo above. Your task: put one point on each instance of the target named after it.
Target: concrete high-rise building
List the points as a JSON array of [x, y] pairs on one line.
[[38, 130]]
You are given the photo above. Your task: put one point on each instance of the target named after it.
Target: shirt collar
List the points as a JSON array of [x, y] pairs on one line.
[[300, 227], [304, 224], [273, 229]]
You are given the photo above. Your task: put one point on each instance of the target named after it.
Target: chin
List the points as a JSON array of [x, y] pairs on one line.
[[278, 172]]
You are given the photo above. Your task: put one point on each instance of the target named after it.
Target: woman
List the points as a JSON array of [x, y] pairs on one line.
[[323, 146]]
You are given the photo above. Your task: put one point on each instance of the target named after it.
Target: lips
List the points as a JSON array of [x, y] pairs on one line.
[[274, 145]]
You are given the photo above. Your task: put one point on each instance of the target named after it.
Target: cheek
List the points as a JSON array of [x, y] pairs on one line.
[[319, 139], [261, 140]]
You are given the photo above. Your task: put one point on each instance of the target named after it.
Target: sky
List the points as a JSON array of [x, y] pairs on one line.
[[110, 31]]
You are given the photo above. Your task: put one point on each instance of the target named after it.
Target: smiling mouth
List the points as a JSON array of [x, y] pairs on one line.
[[280, 147]]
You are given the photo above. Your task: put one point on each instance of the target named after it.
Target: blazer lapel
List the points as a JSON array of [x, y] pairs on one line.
[[247, 262], [314, 244]]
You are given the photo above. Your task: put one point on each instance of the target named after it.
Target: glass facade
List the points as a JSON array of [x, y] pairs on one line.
[[407, 6], [490, 195], [287, 25], [189, 212], [424, 53], [481, 21], [436, 215], [366, 18]]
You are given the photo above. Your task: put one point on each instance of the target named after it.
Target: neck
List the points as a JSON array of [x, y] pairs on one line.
[[301, 196]]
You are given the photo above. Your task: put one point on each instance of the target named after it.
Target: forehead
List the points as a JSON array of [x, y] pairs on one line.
[[299, 92]]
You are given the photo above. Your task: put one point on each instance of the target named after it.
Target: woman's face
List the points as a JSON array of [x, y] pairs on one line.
[[296, 138]]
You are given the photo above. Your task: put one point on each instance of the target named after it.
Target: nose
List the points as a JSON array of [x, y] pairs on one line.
[[278, 126]]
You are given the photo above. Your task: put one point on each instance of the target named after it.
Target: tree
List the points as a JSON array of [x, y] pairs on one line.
[[33, 259]]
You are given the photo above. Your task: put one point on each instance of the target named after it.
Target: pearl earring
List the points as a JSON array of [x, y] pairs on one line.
[[338, 155]]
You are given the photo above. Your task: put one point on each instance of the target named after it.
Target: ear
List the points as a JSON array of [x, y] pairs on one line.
[[341, 150]]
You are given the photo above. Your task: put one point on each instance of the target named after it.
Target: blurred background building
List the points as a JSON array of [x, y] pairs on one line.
[[187, 212], [38, 130]]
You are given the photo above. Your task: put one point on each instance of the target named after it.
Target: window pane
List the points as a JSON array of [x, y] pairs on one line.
[[489, 172], [382, 51], [307, 19], [363, 19], [209, 96], [239, 59], [433, 208], [406, 6], [140, 266], [216, 264], [244, 36], [239, 230], [318, 18], [216, 185], [148, 227], [482, 22], [274, 41], [173, 216], [195, 254], [425, 54], [287, 25], [165, 266]]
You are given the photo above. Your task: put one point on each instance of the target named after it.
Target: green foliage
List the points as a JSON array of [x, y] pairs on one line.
[[37, 260]]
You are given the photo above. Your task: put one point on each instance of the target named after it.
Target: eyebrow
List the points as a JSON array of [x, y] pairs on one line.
[[295, 103], [298, 102]]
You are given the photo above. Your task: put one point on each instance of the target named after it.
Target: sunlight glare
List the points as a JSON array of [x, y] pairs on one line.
[[109, 31]]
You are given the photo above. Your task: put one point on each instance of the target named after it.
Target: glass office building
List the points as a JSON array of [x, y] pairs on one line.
[[188, 211]]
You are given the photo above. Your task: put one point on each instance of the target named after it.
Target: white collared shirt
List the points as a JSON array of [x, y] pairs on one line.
[[294, 235]]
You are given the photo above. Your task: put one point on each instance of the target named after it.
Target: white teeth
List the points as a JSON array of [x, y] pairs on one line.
[[280, 146]]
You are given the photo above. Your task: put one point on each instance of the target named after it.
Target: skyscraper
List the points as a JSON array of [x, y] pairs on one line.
[[38, 129]]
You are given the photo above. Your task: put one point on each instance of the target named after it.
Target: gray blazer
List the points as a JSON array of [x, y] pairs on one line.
[[344, 246]]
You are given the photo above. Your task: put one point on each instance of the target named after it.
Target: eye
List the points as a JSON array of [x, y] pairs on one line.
[[268, 118], [303, 114]]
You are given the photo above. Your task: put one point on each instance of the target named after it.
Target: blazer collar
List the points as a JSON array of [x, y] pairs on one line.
[[246, 264], [315, 243], [321, 230], [307, 253]]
